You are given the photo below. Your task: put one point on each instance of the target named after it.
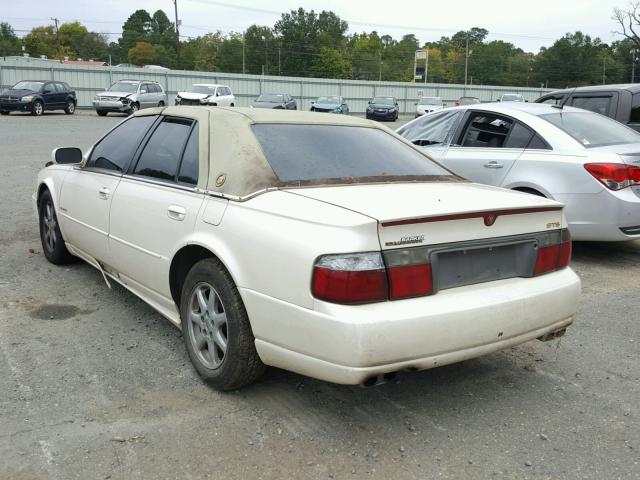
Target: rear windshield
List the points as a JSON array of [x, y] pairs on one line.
[[592, 129], [312, 153]]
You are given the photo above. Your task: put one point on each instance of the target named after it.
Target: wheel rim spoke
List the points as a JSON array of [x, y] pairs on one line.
[[207, 325], [197, 319], [220, 341]]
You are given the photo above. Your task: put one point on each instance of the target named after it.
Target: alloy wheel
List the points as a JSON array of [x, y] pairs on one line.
[[207, 326], [49, 225]]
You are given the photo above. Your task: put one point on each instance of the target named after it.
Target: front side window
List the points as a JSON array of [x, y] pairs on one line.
[[60, 88], [599, 105], [486, 130], [161, 156], [115, 151], [436, 129], [592, 130], [314, 153]]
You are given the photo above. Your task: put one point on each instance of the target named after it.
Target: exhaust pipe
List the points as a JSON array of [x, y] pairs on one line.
[[553, 335], [379, 379]]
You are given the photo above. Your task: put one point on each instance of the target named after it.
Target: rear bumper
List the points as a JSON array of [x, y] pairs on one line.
[[606, 216], [348, 344]]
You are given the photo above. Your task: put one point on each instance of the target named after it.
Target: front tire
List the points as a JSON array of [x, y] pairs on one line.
[[101, 113], [50, 236], [4, 113], [37, 108], [160, 104], [70, 108], [216, 328], [134, 108]]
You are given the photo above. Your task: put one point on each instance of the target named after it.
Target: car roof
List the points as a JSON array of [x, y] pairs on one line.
[[207, 85], [525, 107], [631, 87], [134, 81]]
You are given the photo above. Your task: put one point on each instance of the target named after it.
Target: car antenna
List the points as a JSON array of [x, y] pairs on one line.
[[565, 99]]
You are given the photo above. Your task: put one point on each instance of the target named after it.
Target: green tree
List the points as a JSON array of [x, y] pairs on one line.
[[137, 28], [44, 41], [330, 63], [230, 54], [142, 53], [9, 42], [81, 43]]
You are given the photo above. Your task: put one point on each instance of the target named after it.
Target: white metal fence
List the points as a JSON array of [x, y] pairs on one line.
[[87, 81]]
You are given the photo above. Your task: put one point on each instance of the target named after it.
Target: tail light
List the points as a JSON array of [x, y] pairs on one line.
[[554, 252], [614, 176], [364, 278]]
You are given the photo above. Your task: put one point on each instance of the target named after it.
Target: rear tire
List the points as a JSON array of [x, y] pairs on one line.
[[70, 108], [101, 113], [216, 328], [50, 236]]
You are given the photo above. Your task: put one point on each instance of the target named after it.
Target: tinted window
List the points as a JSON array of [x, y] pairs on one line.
[[115, 151], [519, 137], [60, 88], [592, 130], [486, 130], [320, 152], [144, 88], [551, 100], [190, 160], [433, 129], [538, 143], [49, 88], [161, 155], [635, 109], [595, 104]]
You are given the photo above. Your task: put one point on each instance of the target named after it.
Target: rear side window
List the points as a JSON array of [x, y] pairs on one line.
[[162, 153], [60, 88], [188, 173], [323, 152], [519, 137], [635, 109], [115, 151], [601, 105], [433, 129]]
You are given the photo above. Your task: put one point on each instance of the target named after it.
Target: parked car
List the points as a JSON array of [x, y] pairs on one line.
[[620, 102], [428, 105], [207, 94], [155, 67], [282, 101], [330, 104], [324, 245], [36, 96], [467, 101], [511, 97], [382, 108], [129, 96], [586, 161]]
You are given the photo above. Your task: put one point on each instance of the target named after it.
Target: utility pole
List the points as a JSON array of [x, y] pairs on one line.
[[175, 6], [266, 57], [426, 66], [243, 65], [279, 62], [604, 69], [466, 63], [380, 66], [57, 34], [633, 65]]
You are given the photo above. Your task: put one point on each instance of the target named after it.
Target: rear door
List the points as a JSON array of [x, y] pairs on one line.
[[156, 206], [87, 192], [487, 147]]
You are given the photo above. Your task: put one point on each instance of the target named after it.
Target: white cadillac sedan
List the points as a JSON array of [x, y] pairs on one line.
[[587, 161], [325, 245]]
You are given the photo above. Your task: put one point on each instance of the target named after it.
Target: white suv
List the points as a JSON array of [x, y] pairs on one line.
[[207, 94]]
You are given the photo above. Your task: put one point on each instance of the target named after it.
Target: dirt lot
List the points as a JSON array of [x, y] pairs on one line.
[[95, 385]]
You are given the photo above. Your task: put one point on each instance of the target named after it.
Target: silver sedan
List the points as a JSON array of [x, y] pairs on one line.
[[582, 159]]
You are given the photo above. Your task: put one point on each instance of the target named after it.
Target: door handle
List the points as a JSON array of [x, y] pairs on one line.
[[493, 164], [104, 193], [176, 212]]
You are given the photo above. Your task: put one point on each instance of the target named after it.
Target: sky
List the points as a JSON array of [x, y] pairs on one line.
[[529, 25]]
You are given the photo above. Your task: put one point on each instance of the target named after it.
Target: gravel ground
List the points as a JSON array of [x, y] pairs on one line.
[[96, 385]]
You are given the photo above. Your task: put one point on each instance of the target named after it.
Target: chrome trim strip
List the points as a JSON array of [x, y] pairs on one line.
[[101, 232], [135, 247], [160, 183]]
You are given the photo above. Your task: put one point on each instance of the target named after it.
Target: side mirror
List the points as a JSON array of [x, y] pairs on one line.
[[396, 104], [143, 91], [67, 155]]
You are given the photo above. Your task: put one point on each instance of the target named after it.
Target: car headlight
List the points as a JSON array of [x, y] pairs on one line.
[[28, 98], [124, 99]]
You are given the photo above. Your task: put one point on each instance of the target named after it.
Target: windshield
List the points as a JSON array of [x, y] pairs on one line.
[[27, 85], [384, 100], [312, 153], [124, 87], [202, 89], [592, 129], [328, 100], [271, 98], [430, 101], [512, 98], [468, 100]]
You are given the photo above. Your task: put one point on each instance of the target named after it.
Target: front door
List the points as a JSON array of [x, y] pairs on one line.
[[487, 147], [87, 191], [156, 207]]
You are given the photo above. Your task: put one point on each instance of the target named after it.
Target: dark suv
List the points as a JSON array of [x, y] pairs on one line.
[[36, 96], [620, 102]]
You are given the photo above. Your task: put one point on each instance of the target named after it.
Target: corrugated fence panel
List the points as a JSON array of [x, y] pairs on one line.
[[90, 80]]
